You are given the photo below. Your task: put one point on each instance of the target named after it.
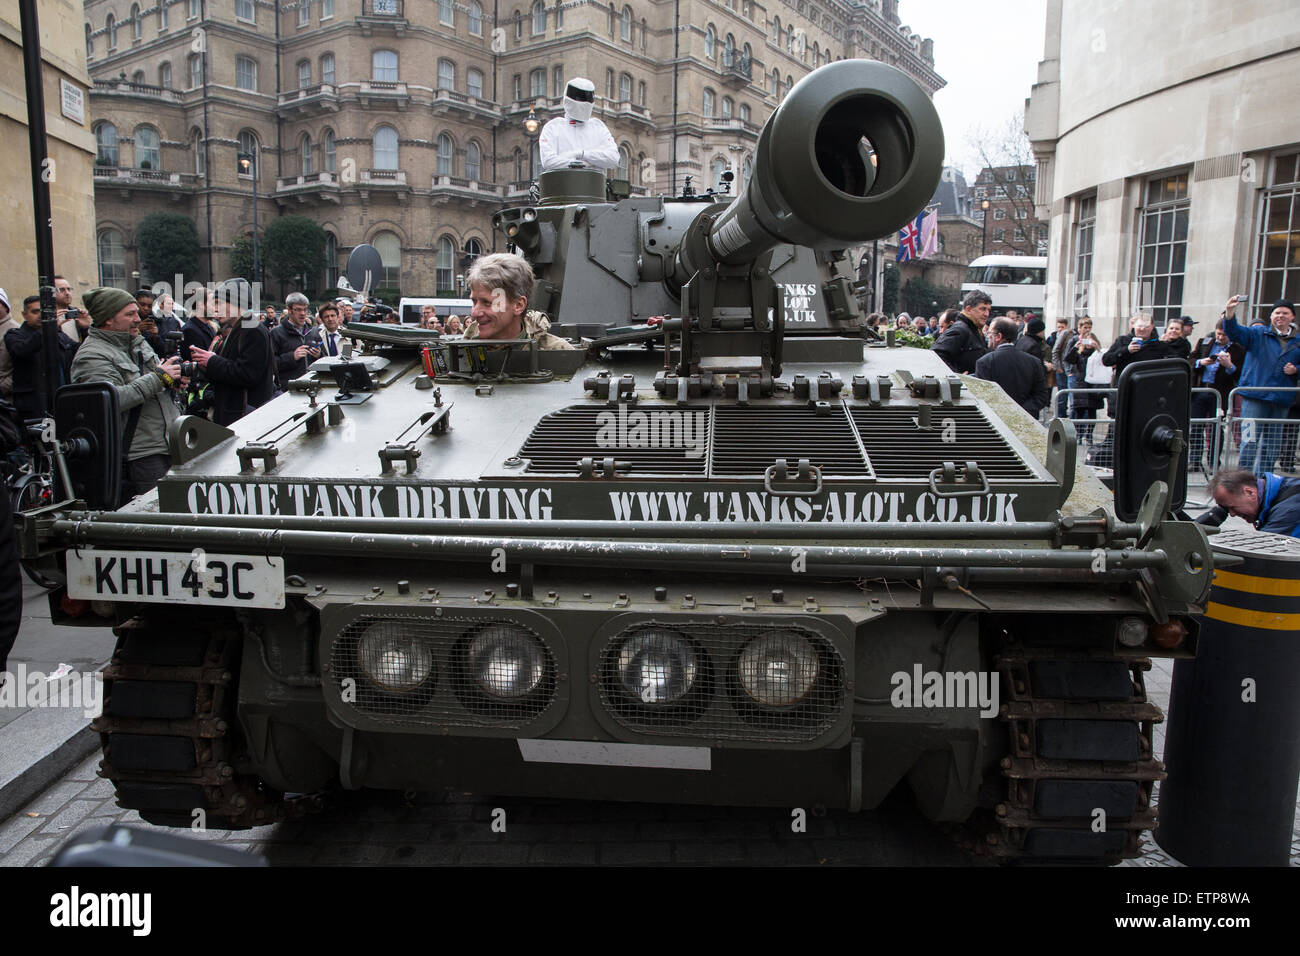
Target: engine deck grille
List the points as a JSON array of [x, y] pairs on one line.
[[663, 439], [899, 448], [748, 440], [450, 695], [717, 705]]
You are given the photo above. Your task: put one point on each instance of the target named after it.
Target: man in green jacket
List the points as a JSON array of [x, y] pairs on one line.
[[114, 352]]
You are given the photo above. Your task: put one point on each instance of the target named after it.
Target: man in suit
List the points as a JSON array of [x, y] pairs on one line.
[[1019, 373], [326, 335], [1217, 364]]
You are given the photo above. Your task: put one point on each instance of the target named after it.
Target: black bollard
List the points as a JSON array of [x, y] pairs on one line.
[[1232, 749]]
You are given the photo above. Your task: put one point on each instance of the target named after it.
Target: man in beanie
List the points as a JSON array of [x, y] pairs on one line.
[[241, 368], [7, 322], [25, 345], [1032, 339], [1272, 357], [114, 352]]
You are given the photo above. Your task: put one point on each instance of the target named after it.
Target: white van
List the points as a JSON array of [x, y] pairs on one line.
[[409, 309]]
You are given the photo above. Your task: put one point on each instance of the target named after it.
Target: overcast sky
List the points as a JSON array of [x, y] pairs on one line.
[[988, 51]]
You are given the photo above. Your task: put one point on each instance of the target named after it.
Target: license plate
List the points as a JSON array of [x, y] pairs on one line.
[[165, 577]]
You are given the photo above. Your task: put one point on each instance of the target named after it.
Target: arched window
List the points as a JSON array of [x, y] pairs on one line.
[[389, 248], [625, 25], [162, 15], [445, 155], [559, 23], [327, 69], [613, 19], [383, 66], [195, 63], [624, 164], [147, 153], [474, 83], [476, 19], [719, 167], [446, 12], [774, 84], [90, 43], [625, 88], [446, 75], [539, 18], [789, 82], [473, 249], [537, 83], [519, 25], [744, 112], [106, 144], [729, 51], [746, 57], [200, 160], [110, 27], [304, 74], [746, 171], [817, 53], [385, 148], [445, 266], [112, 259], [473, 161], [138, 77], [327, 147], [308, 156], [726, 107], [331, 260], [776, 30], [708, 102], [248, 147], [710, 43], [137, 23], [165, 74]]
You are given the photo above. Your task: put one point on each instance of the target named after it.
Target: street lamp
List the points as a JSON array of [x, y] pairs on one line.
[[531, 125], [984, 240], [248, 165]]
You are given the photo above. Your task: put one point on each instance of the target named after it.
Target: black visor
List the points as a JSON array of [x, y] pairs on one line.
[[582, 96]]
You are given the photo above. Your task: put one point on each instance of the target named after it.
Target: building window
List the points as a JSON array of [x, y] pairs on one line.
[[446, 75], [137, 78], [165, 75], [106, 144], [746, 171], [624, 88], [708, 102], [557, 81], [559, 23], [446, 12], [389, 248], [304, 74], [609, 84], [304, 13], [474, 83], [308, 157], [1020, 234], [744, 112], [445, 266], [473, 161], [162, 15], [248, 147], [1277, 274], [726, 107], [137, 24], [90, 43], [326, 9], [539, 18], [719, 167], [728, 52], [383, 66], [245, 10], [147, 153], [624, 164], [112, 259], [385, 148], [625, 25], [445, 149], [1162, 250], [640, 92], [473, 249], [710, 43], [192, 10], [331, 260], [517, 87], [1022, 213], [246, 73], [200, 161], [999, 213], [1085, 226], [519, 26], [328, 147], [196, 71], [110, 28], [537, 83], [998, 235], [327, 69], [476, 19], [1011, 176]]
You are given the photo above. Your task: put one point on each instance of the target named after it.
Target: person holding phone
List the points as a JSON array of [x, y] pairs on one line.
[[294, 346], [1272, 360]]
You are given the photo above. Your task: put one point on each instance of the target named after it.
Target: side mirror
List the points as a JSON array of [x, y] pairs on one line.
[[1152, 407], [86, 419]]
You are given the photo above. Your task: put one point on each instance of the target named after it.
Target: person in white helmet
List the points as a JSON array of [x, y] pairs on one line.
[[575, 137]]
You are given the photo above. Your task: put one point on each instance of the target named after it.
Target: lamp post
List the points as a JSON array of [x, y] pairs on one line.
[[984, 239], [531, 126], [248, 164]]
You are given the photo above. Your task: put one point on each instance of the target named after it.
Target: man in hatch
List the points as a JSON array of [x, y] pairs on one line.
[[500, 286]]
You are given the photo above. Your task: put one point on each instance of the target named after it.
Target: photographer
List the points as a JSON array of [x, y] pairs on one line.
[[25, 347], [115, 353], [241, 369], [292, 341]]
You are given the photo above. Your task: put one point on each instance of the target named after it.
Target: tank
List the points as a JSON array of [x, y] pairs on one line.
[[731, 568]]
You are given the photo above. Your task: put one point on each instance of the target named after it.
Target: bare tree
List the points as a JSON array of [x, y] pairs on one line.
[[1007, 173]]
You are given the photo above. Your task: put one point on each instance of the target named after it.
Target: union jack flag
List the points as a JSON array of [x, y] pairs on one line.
[[909, 240]]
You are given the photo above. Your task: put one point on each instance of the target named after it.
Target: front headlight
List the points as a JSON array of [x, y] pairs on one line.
[[393, 662], [506, 661], [778, 669], [657, 667]]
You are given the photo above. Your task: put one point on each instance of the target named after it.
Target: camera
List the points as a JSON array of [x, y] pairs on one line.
[[71, 313], [190, 370]]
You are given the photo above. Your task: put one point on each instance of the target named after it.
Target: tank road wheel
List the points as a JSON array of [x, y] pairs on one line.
[[1079, 768], [169, 727]]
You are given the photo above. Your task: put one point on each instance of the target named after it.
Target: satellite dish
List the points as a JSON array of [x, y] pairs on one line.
[[365, 267]]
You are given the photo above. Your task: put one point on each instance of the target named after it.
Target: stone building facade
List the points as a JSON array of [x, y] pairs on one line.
[[400, 122], [1169, 171], [70, 149]]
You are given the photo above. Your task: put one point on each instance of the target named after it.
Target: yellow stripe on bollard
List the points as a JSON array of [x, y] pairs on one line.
[[1282, 587], [1264, 620]]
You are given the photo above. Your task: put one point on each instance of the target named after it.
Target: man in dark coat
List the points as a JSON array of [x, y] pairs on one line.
[[1140, 345], [1216, 365], [1270, 503], [1019, 373], [293, 341], [1032, 339], [196, 331], [241, 371], [24, 347], [963, 343]]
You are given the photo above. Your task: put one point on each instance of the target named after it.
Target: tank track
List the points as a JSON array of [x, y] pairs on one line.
[[168, 728], [1080, 740]]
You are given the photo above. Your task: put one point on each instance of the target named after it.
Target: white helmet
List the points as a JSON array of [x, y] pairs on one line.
[[579, 99]]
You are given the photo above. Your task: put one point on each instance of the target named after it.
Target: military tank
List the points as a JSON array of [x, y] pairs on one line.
[[734, 569]]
